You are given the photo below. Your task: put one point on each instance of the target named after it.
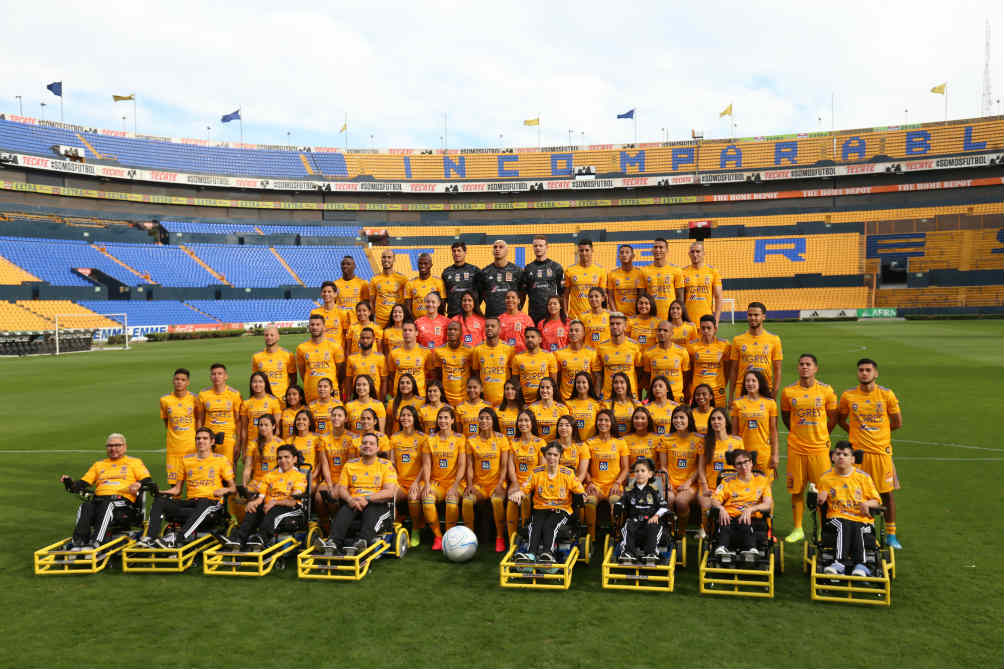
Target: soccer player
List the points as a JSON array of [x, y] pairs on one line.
[[869, 414], [386, 288], [554, 326], [278, 498], [756, 350], [336, 317], [295, 401], [393, 335], [362, 399], [625, 283], [409, 358], [208, 477], [219, 409], [418, 287], [622, 402], [467, 411], [117, 480], [509, 408], [351, 289], [452, 364], [312, 448], [575, 358], [680, 455], [491, 362], [260, 401], [513, 323], [472, 321], [498, 278], [620, 354], [177, 410], [278, 364], [366, 361], [608, 468], [663, 280], [432, 326], [682, 330], [363, 319], [584, 405], [487, 468], [574, 453], [667, 359], [737, 499], [660, 406], [643, 507], [405, 395], [530, 367], [444, 469], [754, 416], [366, 487], [579, 278], [260, 455], [338, 450], [546, 410], [809, 411], [710, 360], [542, 279], [366, 424], [702, 286], [321, 407], [850, 496], [318, 358], [642, 441], [526, 450], [406, 454], [596, 320], [701, 405], [712, 465], [642, 327], [459, 278]]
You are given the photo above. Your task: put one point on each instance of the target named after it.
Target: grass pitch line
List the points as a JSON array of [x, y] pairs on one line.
[[945, 443]]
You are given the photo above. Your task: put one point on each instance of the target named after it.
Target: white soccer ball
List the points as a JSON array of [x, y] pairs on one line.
[[459, 544]]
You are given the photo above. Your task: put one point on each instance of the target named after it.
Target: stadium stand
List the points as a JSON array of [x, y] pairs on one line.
[[54, 260], [71, 314], [166, 265], [16, 319], [193, 227], [244, 266], [159, 312], [255, 311], [317, 264], [12, 275]]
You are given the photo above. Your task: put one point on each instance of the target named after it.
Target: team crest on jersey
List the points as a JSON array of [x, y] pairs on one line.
[[743, 348]]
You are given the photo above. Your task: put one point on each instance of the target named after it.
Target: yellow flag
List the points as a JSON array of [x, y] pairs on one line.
[[345, 126], [727, 111], [123, 98], [940, 88], [532, 121]]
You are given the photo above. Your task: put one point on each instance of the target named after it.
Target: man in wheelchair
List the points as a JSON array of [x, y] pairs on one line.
[[643, 508], [741, 502], [366, 485], [117, 481], [850, 497], [279, 502], [208, 477]]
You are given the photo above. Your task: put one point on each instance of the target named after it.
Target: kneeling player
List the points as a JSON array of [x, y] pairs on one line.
[[278, 498], [850, 495], [737, 499], [208, 477], [643, 506]]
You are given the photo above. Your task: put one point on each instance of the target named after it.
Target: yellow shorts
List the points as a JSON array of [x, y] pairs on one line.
[[883, 472], [227, 447], [436, 491], [485, 490], [805, 468], [604, 489], [175, 468]]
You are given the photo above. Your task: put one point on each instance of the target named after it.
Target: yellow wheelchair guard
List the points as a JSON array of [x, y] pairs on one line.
[[539, 575], [58, 560], [847, 588], [154, 560], [313, 563], [654, 578], [739, 582], [219, 562]]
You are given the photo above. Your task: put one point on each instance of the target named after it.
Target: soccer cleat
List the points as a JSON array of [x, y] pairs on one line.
[[796, 535], [437, 544], [893, 542], [834, 568], [416, 540], [861, 570], [499, 545]]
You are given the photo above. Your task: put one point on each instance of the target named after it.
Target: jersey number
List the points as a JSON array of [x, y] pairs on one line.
[[443, 463], [681, 463], [405, 457], [486, 464], [522, 466], [751, 424], [604, 466]]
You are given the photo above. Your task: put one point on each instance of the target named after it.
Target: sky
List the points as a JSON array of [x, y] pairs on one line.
[[467, 74]]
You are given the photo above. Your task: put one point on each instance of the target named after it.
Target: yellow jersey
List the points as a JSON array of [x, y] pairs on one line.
[[701, 419], [287, 428], [597, 328], [416, 289], [531, 368], [623, 411], [642, 446], [808, 431], [412, 361], [392, 338], [547, 418], [491, 363], [662, 283], [353, 333], [845, 492], [584, 412], [316, 362], [623, 288], [683, 333], [525, 456], [322, 415], [407, 449], [578, 281], [428, 413], [383, 443], [338, 449], [279, 485], [204, 476], [373, 365], [715, 465], [553, 492], [179, 412], [756, 353], [624, 357], [735, 494], [336, 321], [362, 479], [254, 408], [455, 364], [487, 457], [355, 410], [682, 454], [708, 362], [868, 418], [570, 362], [662, 416], [572, 456], [642, 331], [312, 448], [278, 366], [351, 293], [113, 477], [751, 420], [670, 362], [386, 290], [467, 417], [262, 460], [507, 421], [221, 410], [699, 285], [443, 456], [605, 459]]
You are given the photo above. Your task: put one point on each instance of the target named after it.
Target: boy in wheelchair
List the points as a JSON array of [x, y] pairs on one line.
[[742, 502], [643, 508], [850, 497]]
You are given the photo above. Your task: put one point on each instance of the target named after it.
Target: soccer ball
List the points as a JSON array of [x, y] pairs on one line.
[[459, 544]]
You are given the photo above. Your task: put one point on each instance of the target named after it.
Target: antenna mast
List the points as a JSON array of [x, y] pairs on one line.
[[987, 106]]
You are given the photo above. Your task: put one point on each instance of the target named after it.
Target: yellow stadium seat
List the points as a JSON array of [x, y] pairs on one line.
[[12, 275], [71, 314], [15, 319]]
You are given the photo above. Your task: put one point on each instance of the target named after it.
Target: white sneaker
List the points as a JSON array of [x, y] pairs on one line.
[[721, 550], [751, 555], [861, 570], [834, 568]]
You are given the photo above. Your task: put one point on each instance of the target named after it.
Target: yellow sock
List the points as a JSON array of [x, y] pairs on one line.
[[452, 514], [591, 518], [469, 512], [797, 509], [415, 511], [498, 512], [431, 516], [890, 528]]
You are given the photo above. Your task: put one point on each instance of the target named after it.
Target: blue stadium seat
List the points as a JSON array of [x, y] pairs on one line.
[[244, 266], [157, 312], [317, 264], [166, 265], [253, 311], [53, 260], [193, 227]]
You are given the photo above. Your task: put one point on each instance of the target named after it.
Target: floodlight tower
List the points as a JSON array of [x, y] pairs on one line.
[[987, 107]]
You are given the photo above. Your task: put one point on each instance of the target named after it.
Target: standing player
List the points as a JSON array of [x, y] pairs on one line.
[[530, 367], [409, 358], [451, 364], [702, 286], [318, 358], [364, 319], [260, 401], [682, 330], [491, 362], [625, 283], [219, 409], [472, 321], [669, 360], [459, 278], [418, 287], [809, 411], [386, 288], [498, 278], [596, 320], [608, 468], [514, 323], [756, 350], [620, 354], [575, 358], [351, 289], [663, 280], [710, 360], [367, 361], [542, 279], [406, 453], [432, 326], [869, 414], [642, 327], [336, 317], [178, 411], [276, 363], [754, 417], [554, 326], [579, 278]]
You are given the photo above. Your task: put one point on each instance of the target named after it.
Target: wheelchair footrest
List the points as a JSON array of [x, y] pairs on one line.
[[545, 575], [850, 589], [59, 559], [165, 560], [218, 562], [755, 580], [316, 563], [660, 577]]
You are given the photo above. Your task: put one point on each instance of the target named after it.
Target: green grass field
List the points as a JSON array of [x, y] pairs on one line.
[[422, 611]]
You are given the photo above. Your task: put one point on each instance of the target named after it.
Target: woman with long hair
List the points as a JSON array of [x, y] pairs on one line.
[[406, 447], [393, 336], [294, 402], [362, 398], [608, 468], [642, 326], [681, 452], [584, 404], [597, 319], [406, 395], [512, 404], [260, 455], [523, 459], [260, 402], [702, 403], [682, 330], [660, 404], [754, 415], [444, 469], [472, 321], [574, 453], [622, 403], [322, 406], [513, 323], [435, 399], [467, 411], [712, 464], [546, 410], [487, 473], [642, 441], [554, 328], [432, 326], [364, 319]]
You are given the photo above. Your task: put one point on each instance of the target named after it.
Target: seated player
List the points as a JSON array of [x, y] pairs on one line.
[[366, 488], [737, 499], [608, 468], [487, 468], [444, 468], [278, 499], [850, 496], [117, 480], [555, 490], [643, 506], [207, 477]]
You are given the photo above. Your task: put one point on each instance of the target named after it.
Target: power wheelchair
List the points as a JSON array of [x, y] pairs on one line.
[[574, 545]]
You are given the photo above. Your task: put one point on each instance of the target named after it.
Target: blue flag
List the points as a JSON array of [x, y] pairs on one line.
[[233, 116], [627, 114], [56, 87]]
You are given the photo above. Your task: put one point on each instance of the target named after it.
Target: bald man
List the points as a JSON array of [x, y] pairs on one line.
[[386, 288]]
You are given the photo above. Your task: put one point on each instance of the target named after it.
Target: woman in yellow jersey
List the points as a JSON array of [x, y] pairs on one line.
[[294, 403], [444, 468], [596, 320], [545, 410], [362, 398], [642, 441], [406, 454], [405, 395], [259, 456], [524, 457], [680, 456], [322, 406], [701, 405], [622, 403], [338, 450], [313, 449], [368, 423], [512, 403], [717, 442], [259, 403], [608, 468], [574, 453], [682, 330], [754, 417], [364, 319], [467, 411], [434, 401], [661, 405], [584, 404], [641, 327], [487, 473], [392, 335]]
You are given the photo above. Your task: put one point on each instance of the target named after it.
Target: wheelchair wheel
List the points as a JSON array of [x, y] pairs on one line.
[[401, 542], [778, 558]]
